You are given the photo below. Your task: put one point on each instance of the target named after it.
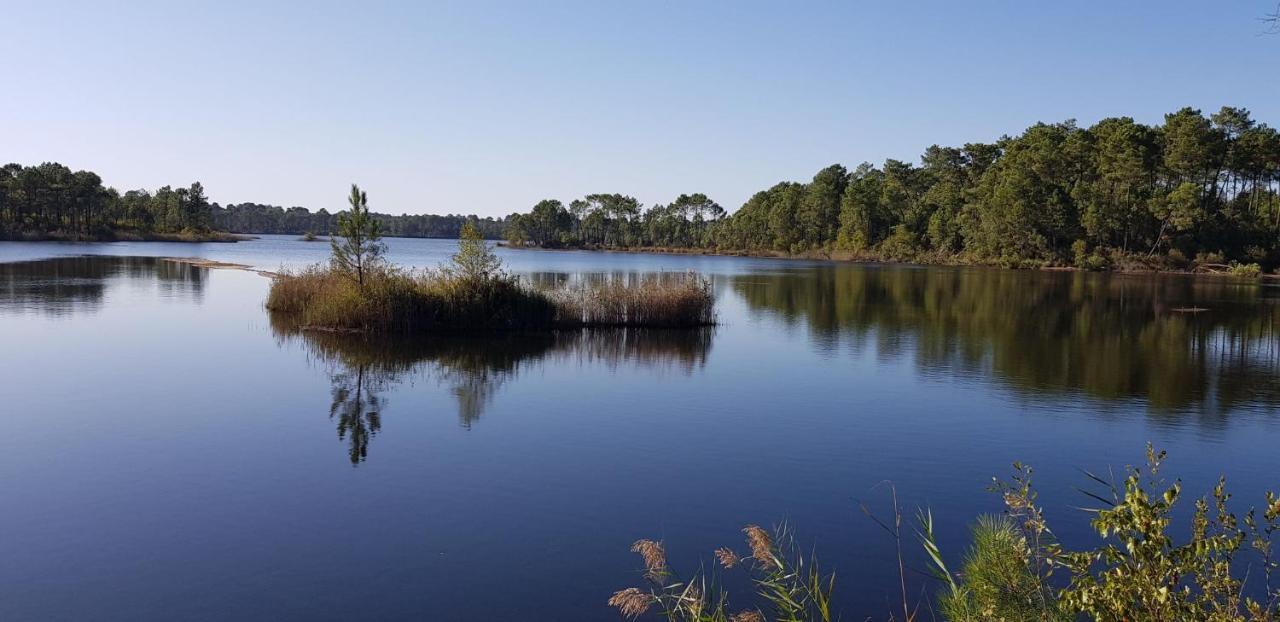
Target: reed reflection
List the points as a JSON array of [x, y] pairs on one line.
[[363, 368]]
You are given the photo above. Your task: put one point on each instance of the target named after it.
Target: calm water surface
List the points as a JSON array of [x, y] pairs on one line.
[[169, 453]]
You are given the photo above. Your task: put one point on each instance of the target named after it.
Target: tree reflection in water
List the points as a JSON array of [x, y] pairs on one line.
[[356, 406], [1113, 337], [473, 369], [63, 286]]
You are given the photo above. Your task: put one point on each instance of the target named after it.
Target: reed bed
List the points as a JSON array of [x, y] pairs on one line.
[[397, 301], [658, 301]]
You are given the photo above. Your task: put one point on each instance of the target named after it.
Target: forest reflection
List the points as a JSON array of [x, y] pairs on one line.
[[363, 368], [67, 285], [1175, 341]]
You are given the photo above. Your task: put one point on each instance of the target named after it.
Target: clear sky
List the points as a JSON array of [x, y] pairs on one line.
[[480, 107]]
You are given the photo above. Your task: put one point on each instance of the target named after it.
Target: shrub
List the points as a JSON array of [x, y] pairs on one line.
[[1080, 252], [1209, 259], [1248, 270], [1085, 260], [1140, 572], [901, 245]]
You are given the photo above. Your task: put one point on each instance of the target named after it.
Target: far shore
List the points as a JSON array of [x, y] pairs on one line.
[[850, 257], [129, 236]]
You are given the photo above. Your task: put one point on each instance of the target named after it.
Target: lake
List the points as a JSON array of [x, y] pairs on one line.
[[169, 453]]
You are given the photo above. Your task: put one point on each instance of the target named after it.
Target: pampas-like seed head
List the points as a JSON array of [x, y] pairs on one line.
[[655, 558], [727, 557], [631, 602], [761, 545]]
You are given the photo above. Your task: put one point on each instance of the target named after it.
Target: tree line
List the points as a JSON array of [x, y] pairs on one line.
[[1119, 191], [50, 200], [46, 199], [615, 220], [1193, 188], [257, 218]]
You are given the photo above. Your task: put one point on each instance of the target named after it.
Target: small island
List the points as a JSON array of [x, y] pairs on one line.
[[359, 291]]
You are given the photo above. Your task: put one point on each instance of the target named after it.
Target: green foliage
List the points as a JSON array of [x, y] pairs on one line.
[[1141, 573], [996, 581], [540, 227], [1084, 259], [259, 218], [1193, 184], [49, 200], [1246, 270], [357, 248], [475, 260]]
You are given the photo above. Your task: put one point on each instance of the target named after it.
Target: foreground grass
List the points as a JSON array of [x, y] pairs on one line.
[[397, 301], [1222, 570]]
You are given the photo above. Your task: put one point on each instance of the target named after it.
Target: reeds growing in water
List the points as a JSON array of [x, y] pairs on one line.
[[660, 300]]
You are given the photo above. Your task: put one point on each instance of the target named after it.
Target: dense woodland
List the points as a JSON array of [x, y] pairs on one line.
[[256, 218], [50, 200], [1118, 192]]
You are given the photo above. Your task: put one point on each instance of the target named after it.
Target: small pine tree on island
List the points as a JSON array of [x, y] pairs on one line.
[[361, 247], [475, 259]]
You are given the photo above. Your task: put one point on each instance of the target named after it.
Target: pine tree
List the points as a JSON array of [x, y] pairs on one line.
[[475, 259], [361, 247]]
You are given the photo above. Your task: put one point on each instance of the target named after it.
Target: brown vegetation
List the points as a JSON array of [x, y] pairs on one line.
[[397, 301]]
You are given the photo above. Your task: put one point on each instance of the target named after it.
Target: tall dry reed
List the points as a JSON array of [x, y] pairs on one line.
[[660, 301]]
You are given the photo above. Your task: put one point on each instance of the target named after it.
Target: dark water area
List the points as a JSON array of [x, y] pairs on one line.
[[170, 452]]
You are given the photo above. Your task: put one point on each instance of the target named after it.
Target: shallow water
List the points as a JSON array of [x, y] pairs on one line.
[[170, 454]]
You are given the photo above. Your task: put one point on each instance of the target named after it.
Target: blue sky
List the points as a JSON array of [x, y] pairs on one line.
[[485, 107]]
